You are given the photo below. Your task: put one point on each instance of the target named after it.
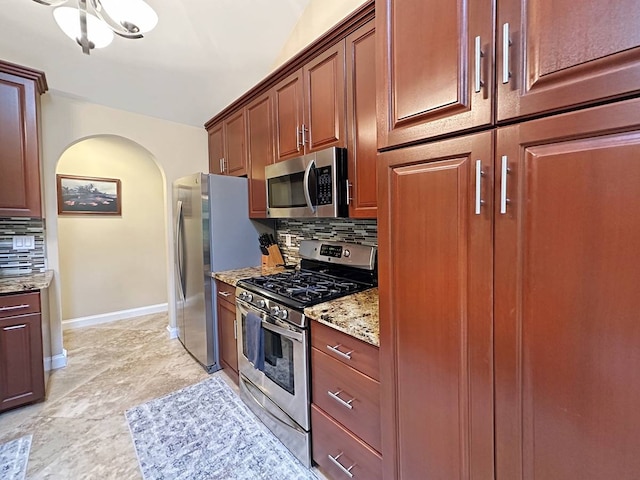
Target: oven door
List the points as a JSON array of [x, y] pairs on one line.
[[285, 378]]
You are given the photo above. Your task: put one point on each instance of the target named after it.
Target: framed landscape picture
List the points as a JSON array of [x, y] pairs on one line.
[[88, 195]]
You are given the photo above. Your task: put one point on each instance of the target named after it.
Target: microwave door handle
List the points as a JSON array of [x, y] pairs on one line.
[[307, 194]]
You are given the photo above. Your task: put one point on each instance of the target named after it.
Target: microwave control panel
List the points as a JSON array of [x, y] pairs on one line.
[[325, 186]]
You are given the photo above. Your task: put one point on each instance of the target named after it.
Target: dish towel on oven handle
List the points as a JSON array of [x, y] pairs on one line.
[[255, 340]]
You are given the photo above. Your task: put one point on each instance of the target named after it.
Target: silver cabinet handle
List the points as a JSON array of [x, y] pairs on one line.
[[224, 294], [298, 138], [503, 184], [235, 329], [479, 54], [304, 135], [348, 190], [345, 470], [506, 43], [14, 307], [479, 175], [14, 327], [334, 349], [336, 397]]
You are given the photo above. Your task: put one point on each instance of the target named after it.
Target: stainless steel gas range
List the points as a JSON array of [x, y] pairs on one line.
[[273, 338]]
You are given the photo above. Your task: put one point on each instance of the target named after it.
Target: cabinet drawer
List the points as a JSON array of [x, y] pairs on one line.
[[330, 438], [226, 292], [19, 304], [350, 397], [355, 353]]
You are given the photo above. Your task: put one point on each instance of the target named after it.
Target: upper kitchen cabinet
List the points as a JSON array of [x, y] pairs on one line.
[[435, 72], [361, 122], [227, 148], [20, 90], [556, 54], [260, 134], [310, 106]]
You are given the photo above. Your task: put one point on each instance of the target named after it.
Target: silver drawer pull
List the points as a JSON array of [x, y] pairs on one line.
[[336, 397], [14, 307], [347, 471], [14, 327], [334, 349], [224, 294]]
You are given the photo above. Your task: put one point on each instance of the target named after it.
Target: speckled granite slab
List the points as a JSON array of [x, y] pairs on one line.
[[232, 276], [24, 283], [355, 315], [14, 456], [206, 431]]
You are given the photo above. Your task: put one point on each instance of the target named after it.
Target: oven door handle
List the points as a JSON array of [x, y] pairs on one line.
[[307, 193], [282, 331]]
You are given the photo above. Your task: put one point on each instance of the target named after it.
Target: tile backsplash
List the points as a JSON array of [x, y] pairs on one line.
[[21, 262], [333, 229]]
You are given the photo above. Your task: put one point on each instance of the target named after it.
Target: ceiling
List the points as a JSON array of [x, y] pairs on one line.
[[202, 55]]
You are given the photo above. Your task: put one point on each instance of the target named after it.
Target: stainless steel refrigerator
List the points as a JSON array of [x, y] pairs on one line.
[[212, 233]]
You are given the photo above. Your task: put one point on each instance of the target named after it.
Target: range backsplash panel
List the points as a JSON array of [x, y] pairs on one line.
[[333, 229], [21, 262]]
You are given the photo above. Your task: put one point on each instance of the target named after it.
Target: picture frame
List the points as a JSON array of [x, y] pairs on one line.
[[78, 195]]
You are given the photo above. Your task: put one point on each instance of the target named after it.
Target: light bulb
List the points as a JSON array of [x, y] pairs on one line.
[[135, 12], [68, 19]]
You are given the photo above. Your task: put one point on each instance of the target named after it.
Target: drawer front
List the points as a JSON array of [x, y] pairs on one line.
[[350, 397], [355, 353], [330, 438], [226, 292], [19, 304]]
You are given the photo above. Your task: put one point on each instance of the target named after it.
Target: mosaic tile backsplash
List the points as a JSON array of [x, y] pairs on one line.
[[333, 229], [21, 262]]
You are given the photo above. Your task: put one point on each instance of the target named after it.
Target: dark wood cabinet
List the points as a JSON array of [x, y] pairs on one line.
[[260, 141], [435, 282], [435, 68], [309, 106], [361, 121], [21, 352], [555, 55], [20, 90], [567, 339], [227, 333], [227, 147]]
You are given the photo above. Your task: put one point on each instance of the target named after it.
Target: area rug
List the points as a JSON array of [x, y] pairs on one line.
[[205, 431], [14, 456]]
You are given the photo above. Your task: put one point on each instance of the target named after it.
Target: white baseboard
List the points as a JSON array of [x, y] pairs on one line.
[[173, 332], [113, 316], [57, 361]]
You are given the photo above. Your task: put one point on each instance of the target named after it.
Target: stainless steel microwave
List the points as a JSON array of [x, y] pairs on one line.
[[313, 185]]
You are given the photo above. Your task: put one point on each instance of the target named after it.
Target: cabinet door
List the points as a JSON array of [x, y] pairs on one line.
[[259, 152], [361, 119], [324, 105], [235, 152], [428, 67], [563, 53], [436, 310], [227, 337], [216, 148], [19, 162], [21, 364], [567, 354], [287, 104]]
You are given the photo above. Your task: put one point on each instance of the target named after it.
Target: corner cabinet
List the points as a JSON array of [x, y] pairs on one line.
[[227, 333], [21, 350], [309, 106], [20, 90]]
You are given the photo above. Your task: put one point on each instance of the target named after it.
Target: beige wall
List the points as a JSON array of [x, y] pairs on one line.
[[319, 17], [177, 149], [113, 263]]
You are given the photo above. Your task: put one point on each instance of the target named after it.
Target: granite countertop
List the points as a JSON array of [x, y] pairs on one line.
[[25, 283], [232, 276], [355, 315]]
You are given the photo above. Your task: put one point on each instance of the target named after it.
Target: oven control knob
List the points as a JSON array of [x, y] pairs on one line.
[[274, 311], [248, 297], [262, 303], [347, 253], [283, 314], [242, 295]]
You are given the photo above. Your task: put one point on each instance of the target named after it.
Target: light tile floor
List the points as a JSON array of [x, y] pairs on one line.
[[80, 431]]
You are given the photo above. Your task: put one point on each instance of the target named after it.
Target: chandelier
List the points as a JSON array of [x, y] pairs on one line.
[[92, 23]]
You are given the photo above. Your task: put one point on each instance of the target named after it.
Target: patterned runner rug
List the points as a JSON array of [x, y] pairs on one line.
[[14, 456], [205, 431]]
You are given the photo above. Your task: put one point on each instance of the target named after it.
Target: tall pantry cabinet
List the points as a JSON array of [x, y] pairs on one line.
[[507, 247]]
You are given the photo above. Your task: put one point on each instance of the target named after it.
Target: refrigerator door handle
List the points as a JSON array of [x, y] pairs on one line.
[[179, 249]]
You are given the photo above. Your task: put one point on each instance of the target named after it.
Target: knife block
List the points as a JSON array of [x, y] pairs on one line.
[[274, 258]]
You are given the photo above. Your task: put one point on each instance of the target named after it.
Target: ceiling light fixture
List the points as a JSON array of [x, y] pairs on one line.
[[92, 23]]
